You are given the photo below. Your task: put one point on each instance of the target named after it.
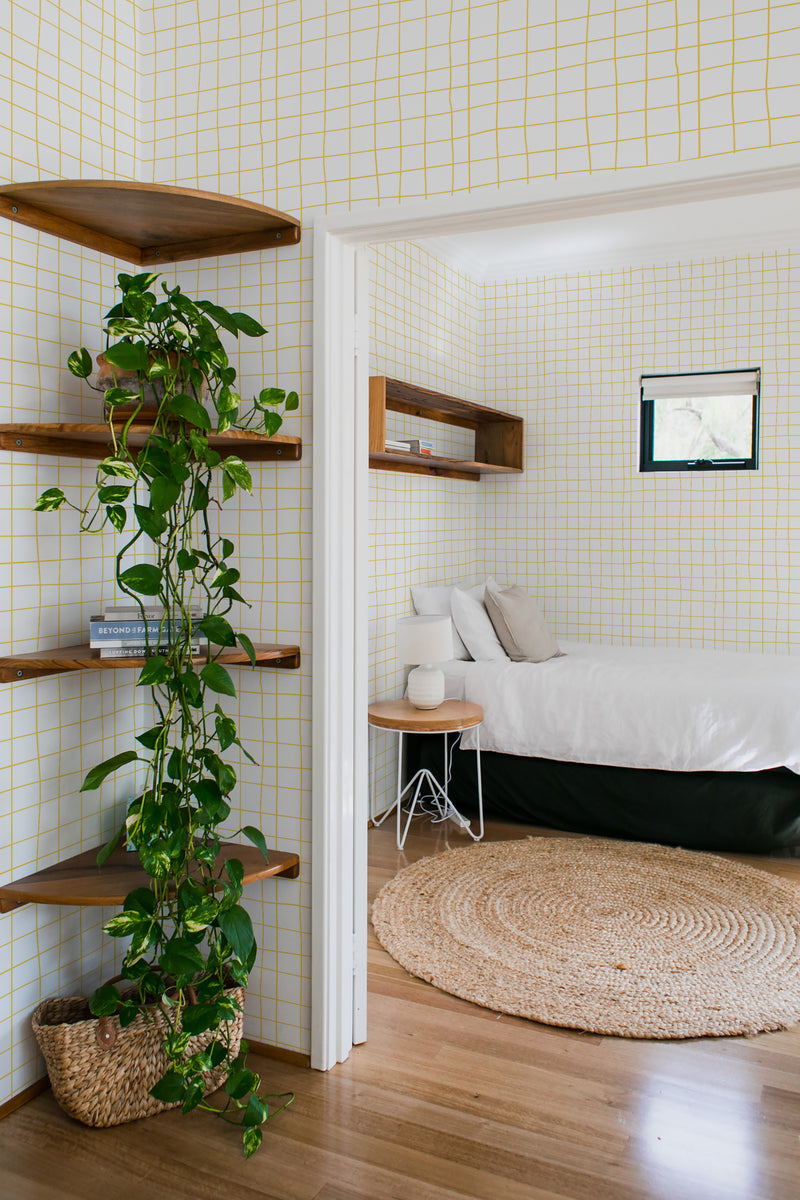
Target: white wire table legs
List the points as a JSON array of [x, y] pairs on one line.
[[480, 782], [425, 789]]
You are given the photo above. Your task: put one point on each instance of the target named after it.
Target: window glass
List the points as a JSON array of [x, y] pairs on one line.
[[703, 427]]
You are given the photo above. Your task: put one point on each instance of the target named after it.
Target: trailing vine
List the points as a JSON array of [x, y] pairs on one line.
[[191, 940]]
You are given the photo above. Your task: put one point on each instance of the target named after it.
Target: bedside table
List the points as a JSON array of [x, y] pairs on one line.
[[451, 716]]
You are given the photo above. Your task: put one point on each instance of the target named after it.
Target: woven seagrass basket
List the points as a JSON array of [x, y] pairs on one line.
[[102, 1074]]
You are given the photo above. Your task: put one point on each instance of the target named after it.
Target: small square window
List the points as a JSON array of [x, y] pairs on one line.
[[703, 421]]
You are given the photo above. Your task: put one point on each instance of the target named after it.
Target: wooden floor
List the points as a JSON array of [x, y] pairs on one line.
[[449, 1101]]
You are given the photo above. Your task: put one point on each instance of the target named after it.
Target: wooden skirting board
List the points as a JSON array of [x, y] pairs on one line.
[[35, 1089], [295, 1057]]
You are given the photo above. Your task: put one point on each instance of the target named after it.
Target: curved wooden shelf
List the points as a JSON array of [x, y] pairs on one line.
[[146, 223], [71, 440], [14, 667], [79, 881]]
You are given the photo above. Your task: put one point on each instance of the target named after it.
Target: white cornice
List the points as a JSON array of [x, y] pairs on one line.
[[571, 198], [653, 254]]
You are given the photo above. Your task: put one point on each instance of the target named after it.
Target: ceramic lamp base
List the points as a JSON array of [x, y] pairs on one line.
[[426, 687]]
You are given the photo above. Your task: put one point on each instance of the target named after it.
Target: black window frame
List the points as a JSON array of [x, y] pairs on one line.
[[646, 412]]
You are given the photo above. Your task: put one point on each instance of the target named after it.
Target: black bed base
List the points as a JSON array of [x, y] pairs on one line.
[[754, 812]]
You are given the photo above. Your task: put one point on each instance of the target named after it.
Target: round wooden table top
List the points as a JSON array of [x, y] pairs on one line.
[[449, 716]]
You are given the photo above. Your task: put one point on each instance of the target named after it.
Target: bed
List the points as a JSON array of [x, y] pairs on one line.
[[689, 747]]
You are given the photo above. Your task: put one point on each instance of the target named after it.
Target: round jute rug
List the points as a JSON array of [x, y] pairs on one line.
[[612, 937]]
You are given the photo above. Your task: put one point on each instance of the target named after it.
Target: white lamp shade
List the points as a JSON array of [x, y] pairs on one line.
[[424, 639]]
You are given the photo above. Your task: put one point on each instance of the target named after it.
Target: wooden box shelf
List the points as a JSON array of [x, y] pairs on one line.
[[35, 663], [79, 880], [498, 435]]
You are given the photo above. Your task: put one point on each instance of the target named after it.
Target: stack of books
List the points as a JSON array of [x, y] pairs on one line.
[[123, 631], [410, 445]]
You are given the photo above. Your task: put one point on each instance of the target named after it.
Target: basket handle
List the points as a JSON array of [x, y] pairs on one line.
[[106, 1033]]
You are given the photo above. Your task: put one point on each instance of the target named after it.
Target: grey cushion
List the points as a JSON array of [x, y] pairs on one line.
[[519, 624]]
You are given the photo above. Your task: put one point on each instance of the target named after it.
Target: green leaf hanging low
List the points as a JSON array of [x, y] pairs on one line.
[[247, 646], [163, 494], [235, 923], [233, 468], [169, 1089], [218, 679], [50, 500], [97, 774], [248, 325], [257, 838]]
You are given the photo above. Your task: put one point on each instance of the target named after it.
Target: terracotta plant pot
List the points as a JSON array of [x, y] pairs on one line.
[[110, 377]]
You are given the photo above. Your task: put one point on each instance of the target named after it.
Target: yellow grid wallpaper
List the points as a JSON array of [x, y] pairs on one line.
[[426, 329], [700, 559], [330, 105], [305, 108], [66, 110]]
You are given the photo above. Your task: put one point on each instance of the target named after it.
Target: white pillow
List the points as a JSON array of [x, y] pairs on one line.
[[473, 625], [519, 624], [435, 601]]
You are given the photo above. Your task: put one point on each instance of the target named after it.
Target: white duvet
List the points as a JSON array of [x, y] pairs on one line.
[[625, 706]]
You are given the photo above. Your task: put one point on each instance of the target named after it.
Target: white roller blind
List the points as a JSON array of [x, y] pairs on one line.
[[726, 383]]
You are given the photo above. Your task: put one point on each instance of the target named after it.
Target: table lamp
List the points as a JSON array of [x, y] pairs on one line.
[[425, 641]]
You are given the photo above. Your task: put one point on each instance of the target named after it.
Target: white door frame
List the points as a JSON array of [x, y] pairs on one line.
[[340, 529]]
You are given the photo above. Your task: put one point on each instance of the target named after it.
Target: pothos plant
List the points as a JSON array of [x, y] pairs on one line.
[[191, 940]]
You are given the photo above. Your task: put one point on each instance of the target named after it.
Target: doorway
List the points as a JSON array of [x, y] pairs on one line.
[[340, 424]]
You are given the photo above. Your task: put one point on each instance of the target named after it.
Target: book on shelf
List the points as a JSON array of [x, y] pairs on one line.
[[101, 630], [410, 445], [140, 650], [132, 612], [143, 643]]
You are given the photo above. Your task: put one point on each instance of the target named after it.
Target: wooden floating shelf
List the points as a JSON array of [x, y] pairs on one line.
[[93, 441], [14, 667], [433, 464], [498, 435], [146, 223], [79, 881]]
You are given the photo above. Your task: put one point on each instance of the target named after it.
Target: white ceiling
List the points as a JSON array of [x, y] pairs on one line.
[[758, 222]]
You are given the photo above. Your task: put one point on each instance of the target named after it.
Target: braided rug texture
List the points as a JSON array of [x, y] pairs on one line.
[[625, 938]]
